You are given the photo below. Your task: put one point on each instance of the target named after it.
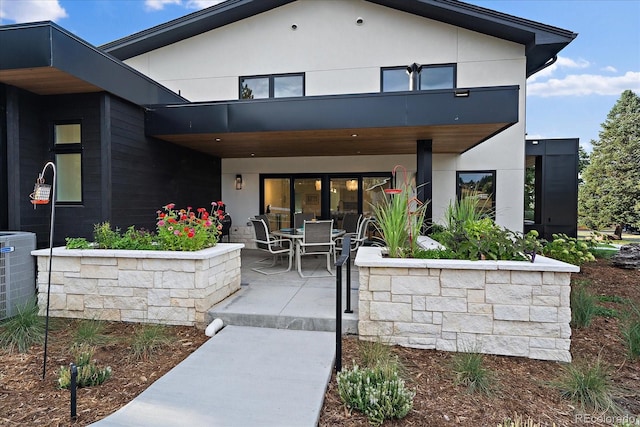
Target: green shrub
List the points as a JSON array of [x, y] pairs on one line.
[[435, 254], [588, 386], [148, 339], [583, 306], [376, 392], [104, 236], [568, 249], [631, 333], [77, 243], [88, 372], [24, 329], [470, 372], [91, 332], [374, 354]]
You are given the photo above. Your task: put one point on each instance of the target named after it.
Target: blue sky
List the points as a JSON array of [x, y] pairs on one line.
[[569, 99]]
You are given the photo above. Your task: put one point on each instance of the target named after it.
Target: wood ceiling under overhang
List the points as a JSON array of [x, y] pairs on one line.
[[455, 120], [46, 81], [337, 142]]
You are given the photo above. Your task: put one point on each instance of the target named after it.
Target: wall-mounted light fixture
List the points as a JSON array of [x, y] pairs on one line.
[[461, 93], [238, 182], [318, 185]]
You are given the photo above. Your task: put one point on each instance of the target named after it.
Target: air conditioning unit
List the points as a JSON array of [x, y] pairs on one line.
[[17, 271]]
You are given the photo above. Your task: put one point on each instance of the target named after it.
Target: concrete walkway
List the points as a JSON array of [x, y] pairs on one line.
[[269, 366], [243, 376]]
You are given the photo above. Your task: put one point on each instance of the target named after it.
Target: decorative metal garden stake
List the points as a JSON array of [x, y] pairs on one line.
[[73, 388], [40, 196]]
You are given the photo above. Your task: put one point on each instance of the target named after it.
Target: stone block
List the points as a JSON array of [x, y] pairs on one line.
[[106, 290], [401, 298], [498, 276], [470, 323], [543, 314], [389, 311], [446, 304], [75, 302], [65, 264], [183, 302], [563, 279], [477, 308], [177, 279], [380, 283], [383, 296], [415, 285], [508, 294], [90, 271], [546, 354], [169, 315], [389, 271], [545, 300], [530, 329], [467, 279], [127, 263], [446, 345], [422, 316], [125, 303], [530, 278], [98, 260], [453, 292], [363, 310], [81, 286], [135, 279], [412, 329], [437, 318], [539, 342], [511, 312], [374, 329], [94, 302], [423, 343], [159, 297], [505, 345], [475, 295], [418, 302]]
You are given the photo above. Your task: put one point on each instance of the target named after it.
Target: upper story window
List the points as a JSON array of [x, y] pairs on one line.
[[272, 86], [67, 147], [395, 79]]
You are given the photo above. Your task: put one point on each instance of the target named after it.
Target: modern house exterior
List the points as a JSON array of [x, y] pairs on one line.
[[273, 106]]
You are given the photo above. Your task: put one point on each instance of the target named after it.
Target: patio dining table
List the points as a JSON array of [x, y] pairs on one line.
[[294, 234]]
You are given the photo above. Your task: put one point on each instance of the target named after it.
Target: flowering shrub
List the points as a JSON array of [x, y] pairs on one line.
[[189, 230]]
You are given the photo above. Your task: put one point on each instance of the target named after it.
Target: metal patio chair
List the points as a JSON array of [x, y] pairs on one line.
[[350, 222], [299, 218], [357, 239], [316, 240], [275, 247]]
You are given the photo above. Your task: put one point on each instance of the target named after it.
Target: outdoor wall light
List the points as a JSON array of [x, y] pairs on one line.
[[461, 93], [294, 27], [238, 182], [359, 21]]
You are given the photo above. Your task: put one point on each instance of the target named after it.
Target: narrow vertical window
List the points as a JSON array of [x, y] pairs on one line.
[[67, 144]]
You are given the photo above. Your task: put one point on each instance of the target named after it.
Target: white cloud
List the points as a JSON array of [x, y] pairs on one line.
[[610, 69], [585, 84], [561, 63], [159, 4], [201, 4], [20, 11]]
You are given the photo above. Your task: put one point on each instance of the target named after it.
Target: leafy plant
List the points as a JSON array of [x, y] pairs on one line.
[[587, 385], [88, 372], [583, 306], [77, 243], [186, 230], [435, 254], [400, 218], [148, 339], [378, 393], [568, 249], [631, 333], [24, 329], [90, 332], [104, 236], [469, 371]]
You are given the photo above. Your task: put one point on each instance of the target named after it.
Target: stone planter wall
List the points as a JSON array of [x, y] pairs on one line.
[[174, 288], [496, 307]]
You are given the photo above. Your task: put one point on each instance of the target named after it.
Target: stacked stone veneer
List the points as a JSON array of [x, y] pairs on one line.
[[174, 288], [495, 307]]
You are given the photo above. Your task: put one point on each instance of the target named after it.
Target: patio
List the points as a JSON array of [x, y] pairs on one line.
[[286, 300]]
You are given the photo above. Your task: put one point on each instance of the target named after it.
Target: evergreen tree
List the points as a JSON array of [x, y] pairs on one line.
[[610, 194]]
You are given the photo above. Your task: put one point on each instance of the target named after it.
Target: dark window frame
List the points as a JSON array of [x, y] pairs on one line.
[[66, 148], [453, 66], [271, 78], [494, 176]]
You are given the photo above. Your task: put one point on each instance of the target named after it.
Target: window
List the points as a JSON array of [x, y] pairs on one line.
[[274, 86], [395, 79], [67, 145], [481, 184]]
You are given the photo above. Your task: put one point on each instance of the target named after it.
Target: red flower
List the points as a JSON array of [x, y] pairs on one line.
[[190, 234]]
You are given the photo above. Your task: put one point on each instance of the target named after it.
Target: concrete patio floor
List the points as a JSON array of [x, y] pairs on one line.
[[286, 300]]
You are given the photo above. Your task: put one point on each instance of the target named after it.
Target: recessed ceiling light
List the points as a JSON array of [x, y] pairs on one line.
[[354, 135], [218, 140]]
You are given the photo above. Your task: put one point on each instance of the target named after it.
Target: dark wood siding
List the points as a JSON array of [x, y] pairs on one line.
[[148, 173]]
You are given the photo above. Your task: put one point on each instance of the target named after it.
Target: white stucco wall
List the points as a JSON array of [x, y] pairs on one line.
[[339, 57]]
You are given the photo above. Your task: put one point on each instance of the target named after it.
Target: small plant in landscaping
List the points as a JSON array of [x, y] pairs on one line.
[[24, 329], [104, 236], [77, 243], [148, 339], [519, 421], [88, 372], [631, 333], [374, 354], [90, 332], [587, 385], [377, 392], [569, 249], [583, 305], [469, 371], [186, 230]]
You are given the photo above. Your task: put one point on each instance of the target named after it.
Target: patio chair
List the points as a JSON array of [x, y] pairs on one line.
[[276, 247], [350, 222], [299, 218], [316, 240], [265, 218], [357, 239]]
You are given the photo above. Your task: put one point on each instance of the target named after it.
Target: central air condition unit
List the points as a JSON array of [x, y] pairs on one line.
[[17, 271]]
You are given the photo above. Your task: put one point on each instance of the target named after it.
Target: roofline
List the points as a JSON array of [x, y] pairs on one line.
[[542, 42]]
